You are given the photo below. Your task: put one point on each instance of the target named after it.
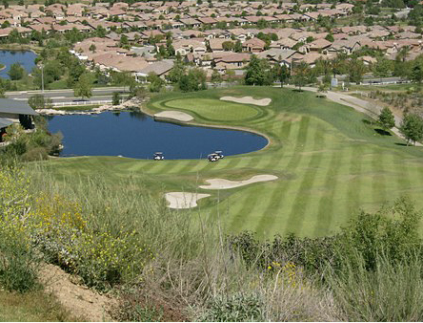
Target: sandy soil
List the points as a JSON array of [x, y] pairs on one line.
[[182, 200], [223, 184], [80, 301], [176, 115], [247, 100]]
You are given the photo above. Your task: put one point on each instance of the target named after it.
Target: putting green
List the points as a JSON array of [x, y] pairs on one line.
[[328, 159], [213, 109]]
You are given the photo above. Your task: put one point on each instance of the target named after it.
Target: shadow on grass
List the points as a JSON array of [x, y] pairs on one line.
[[383, 132], [402, 144]]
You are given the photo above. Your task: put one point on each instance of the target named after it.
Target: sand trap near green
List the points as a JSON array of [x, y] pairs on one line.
[[183, 200], [224, 184], [214, 109], [175, 115], [247, 100]]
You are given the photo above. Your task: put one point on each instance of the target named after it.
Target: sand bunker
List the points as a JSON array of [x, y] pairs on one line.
[[181, 200], [223, 184], [247, 100], [176, 115]]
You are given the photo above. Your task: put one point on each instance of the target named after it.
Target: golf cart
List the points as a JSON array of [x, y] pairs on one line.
[[213, 157], [219, 154], [158, 156]]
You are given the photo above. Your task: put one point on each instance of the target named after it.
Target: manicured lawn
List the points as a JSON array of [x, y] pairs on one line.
[[329, 160], [212, 109]]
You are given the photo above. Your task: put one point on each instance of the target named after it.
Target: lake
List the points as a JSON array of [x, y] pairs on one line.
[[9, 57], [136, 135]]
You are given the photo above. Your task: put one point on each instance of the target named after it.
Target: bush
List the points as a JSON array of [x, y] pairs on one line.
[[35, 154], [18, 270], [235, 308], [390, 293]]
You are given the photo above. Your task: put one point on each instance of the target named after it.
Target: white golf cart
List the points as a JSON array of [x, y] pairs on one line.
[[158, 156]]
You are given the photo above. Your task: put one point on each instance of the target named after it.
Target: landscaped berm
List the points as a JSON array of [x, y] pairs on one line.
[[325, 160]]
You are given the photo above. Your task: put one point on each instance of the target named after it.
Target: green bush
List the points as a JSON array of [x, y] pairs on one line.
[[35, 154], [235, 308], [18, 270]]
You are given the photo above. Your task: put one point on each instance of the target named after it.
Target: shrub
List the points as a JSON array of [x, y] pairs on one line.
[[18, 270], [35, 154], [235, 308], [390, 293]]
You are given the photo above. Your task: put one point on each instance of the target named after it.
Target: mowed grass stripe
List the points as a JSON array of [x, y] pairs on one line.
[[241, 217], [379, 185], [354, 183], [303, 194], [273, 210], [326, 204]]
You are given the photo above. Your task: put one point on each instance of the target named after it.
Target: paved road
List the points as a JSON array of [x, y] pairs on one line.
[[58, 96]]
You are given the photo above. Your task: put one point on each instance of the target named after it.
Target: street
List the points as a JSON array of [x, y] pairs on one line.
[[66, 97]]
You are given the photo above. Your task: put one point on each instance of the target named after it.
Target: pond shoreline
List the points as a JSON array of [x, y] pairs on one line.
[[206, 125]]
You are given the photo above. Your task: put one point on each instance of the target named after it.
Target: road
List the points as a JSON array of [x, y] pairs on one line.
[[67, 96]]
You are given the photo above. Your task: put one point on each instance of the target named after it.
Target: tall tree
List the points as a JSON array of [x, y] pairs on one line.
[[83, 88], [258, 72], [382, 68], [16, 72], [386, 119], [301, 73], [412, 128]]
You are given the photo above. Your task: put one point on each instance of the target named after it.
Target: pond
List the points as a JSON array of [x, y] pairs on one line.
[[9, 57], [136, 135]]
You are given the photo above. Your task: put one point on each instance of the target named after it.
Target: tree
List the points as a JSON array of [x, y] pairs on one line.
[[228, 46], [216, 78], [123, 79], [412, 128], [16, 72], [37, 101], [382, 68], [116, 98], [282, 73], [156, 83], [83, 88], [238, 47], [416, 72], [258, 72], [386, 119], [356, 70], [301, 74], [321, 89]]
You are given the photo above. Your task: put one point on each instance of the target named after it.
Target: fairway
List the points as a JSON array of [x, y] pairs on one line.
[[329, 160]]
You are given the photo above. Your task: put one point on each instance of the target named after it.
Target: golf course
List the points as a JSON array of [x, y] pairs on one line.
[[325, 161]]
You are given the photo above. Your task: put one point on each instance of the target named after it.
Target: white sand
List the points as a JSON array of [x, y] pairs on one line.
[[176, 115], [182, 200], [247, 100], [224, 184]]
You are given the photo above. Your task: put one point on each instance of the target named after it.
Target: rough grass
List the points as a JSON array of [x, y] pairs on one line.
[[34, 306], [329, 163]]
